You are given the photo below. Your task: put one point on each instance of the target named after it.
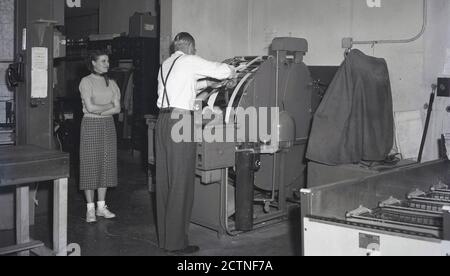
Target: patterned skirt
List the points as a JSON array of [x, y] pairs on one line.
[[98, 154]]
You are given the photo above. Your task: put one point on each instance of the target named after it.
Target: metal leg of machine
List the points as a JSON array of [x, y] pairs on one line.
[[244, 190]]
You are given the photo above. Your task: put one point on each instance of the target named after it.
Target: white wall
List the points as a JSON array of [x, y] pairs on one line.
[[115, 14], [225, 28], [219, 26]]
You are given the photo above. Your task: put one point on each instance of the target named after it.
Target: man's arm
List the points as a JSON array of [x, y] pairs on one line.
[[203, 93], [215, 70], [215, 84]]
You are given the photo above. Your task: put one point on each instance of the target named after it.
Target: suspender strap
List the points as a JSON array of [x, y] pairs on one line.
[[164, 81]]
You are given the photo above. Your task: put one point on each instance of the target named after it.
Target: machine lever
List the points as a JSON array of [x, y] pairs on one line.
[[427, 123]]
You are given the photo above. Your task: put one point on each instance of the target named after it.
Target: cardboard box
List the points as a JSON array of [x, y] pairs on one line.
[[143, 25]]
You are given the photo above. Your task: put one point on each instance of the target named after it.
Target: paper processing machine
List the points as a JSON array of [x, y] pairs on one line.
[[401, 212], [244, 183]]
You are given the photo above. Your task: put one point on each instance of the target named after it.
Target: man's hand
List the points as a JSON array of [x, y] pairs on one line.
[[240, 68], [215, 84], [234, 74], [231, 83]]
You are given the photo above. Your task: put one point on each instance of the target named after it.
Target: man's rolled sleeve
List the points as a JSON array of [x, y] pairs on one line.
[[211, 69]]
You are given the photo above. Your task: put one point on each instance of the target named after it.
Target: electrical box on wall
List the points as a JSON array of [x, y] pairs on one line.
[[443, 87]]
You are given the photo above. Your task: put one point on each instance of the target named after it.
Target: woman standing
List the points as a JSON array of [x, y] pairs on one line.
[[98, 143]]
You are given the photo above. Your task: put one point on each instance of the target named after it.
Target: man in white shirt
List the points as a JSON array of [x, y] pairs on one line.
[[176, 162]]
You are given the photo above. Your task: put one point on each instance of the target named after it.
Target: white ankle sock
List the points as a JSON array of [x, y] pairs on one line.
[[101, 204], [91, 206]]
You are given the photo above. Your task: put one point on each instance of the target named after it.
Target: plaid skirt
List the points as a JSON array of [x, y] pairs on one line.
[[98, 154]]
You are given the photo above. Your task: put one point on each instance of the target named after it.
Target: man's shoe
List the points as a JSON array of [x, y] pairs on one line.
[[191, 249], [90, 216], [104, 212]]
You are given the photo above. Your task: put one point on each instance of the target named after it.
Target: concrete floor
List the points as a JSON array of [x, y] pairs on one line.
[[133, 232]]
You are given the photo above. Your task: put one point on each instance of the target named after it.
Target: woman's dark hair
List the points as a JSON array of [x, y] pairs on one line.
[[94, 56]]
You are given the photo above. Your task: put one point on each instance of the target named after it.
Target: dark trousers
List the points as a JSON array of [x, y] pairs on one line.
[[175, 175]]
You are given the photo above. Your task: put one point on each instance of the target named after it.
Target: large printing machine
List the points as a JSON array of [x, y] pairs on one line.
[[405, 211], [245, 184]]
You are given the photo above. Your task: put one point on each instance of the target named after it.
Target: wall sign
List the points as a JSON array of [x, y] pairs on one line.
[[39, 73], [73, 3], [374, 3]]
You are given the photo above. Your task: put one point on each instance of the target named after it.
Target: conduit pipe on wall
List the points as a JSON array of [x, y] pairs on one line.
[[348, 42]]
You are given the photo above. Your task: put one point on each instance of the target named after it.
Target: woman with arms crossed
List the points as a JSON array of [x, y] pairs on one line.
[[98, 143]]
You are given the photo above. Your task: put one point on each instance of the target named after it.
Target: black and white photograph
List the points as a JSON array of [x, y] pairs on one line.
[[223, 134]]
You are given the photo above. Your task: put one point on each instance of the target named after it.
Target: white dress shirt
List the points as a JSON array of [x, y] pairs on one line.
[[182, 84]]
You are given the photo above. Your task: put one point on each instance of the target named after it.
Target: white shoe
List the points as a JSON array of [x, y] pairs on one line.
[[90, 216], [104, 212]]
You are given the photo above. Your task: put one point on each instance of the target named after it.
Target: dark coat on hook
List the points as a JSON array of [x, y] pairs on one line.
[[355, 120]]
